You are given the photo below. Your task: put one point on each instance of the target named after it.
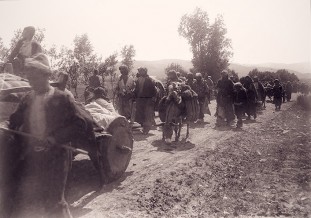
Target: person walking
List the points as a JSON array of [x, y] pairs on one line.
[[252, 97], [201, 89], [225, 91], [125, 93], [277, 94], [240, 103], [145, 94], [50, 117]]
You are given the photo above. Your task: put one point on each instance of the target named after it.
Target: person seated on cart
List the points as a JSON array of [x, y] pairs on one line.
[[105, 115], [51, 118], [98, 98], [24, 48]]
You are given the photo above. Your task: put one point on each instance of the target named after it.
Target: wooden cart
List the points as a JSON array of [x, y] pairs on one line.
[[112, 153]]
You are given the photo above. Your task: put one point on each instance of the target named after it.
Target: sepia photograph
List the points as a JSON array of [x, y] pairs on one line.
[[155, 108]]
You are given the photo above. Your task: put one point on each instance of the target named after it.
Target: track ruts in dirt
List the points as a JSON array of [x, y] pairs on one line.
[[263, 170]]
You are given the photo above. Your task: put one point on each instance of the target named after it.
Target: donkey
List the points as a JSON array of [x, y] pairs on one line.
[[172, 111]]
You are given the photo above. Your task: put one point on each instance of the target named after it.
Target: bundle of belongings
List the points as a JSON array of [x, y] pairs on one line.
[[101, 109], [183, 96]]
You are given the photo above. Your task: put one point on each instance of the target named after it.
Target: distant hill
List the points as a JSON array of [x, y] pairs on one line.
[[302, 70], [157, 68]]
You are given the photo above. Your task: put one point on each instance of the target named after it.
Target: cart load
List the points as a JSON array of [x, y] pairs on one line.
[[112, 151]]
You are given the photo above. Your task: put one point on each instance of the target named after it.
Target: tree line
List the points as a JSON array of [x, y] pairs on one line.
[[211, 53], [80, 60]]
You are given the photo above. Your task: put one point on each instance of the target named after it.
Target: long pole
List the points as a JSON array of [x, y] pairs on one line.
[[77, 150]]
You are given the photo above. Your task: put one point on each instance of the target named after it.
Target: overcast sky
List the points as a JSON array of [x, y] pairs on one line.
[[261, 31]]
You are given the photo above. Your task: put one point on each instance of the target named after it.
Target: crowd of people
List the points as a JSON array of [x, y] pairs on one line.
[[235, 99], [51, 117]]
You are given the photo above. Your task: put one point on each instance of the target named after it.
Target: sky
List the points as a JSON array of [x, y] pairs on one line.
[[264, 31]]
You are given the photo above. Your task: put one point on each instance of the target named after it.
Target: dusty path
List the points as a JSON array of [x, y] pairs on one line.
[[155, 183]]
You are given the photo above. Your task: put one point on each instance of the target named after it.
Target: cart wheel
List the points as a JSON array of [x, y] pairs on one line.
[[115, 151]]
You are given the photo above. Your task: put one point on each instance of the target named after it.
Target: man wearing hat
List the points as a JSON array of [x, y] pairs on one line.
[[225, 91], [145, 93], [25, 48], [201, 89], [240, 103], [277, 94], [190, 80], [50, 118], [260, 89], [94, 80], [124, 90]]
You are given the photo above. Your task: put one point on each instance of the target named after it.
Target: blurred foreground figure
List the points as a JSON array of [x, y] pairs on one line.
[[50, 118], [24, 48]]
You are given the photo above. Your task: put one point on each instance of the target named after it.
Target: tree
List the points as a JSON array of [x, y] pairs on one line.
[[127, 54], [218, 49], [233, 74], [3, 50], [83, 52], [54, 56], [266, 76], [108, 69], [40, 36], [285, 76], [177, 68], [209, 45]]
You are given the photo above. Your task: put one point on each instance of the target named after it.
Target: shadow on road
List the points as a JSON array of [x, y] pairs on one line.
[[199, 125], [83, 186], [182, 145], [139, 136]]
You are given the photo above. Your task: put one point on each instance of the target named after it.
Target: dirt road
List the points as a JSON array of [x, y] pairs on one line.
[[262, 170]]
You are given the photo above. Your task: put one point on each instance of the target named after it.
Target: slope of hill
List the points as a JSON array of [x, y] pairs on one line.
[[157, 68], [303, 67]]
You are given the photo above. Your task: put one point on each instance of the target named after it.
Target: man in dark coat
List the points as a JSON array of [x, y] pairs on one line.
[[240, 102], [277, 94], [260, 89], [52, 119], [225, 91], [94, 80], [145, 93], [251, 97], [190, 80], [288, 90], [201, 88]]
